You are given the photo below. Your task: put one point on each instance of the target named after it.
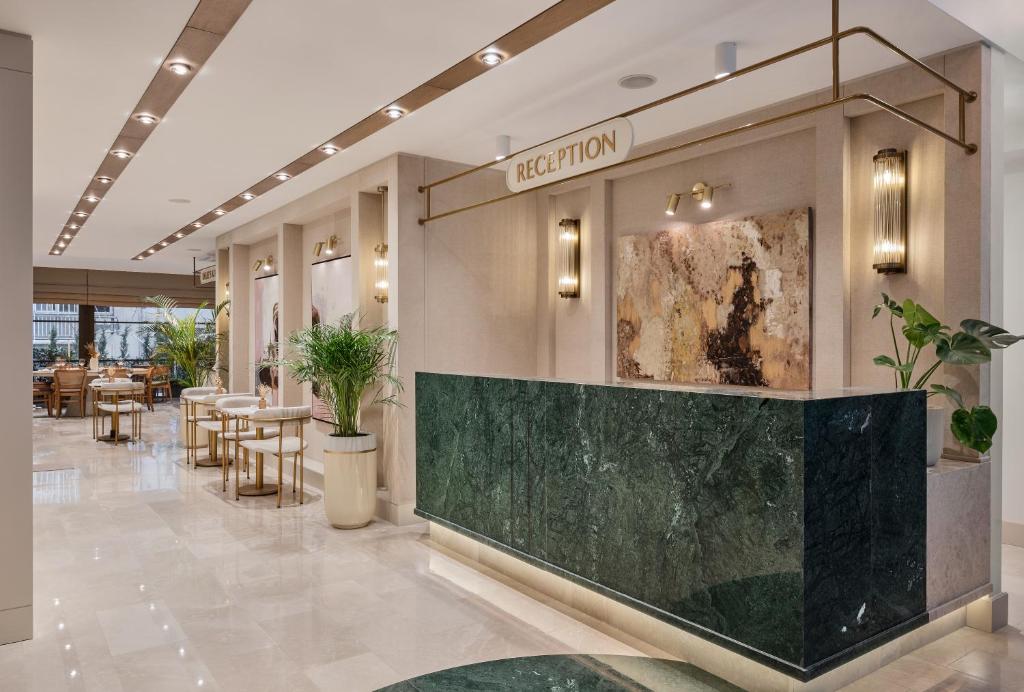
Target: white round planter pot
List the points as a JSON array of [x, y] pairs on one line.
[[350, 480], [936, 432]]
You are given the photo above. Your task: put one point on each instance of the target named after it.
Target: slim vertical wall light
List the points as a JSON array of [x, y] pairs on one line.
[[889, 185], [569, 258], [380, 268]]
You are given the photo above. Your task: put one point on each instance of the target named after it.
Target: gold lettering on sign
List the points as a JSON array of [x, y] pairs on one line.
[[590, 149]]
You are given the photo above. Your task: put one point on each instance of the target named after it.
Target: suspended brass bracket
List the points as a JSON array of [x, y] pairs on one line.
[[960, 139]]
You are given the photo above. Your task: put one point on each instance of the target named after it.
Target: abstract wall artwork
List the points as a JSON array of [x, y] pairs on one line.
[[725, 302], [332, 299], [267, 329]]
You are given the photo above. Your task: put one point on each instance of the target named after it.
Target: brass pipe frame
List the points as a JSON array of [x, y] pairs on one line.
[[874, 100], [964, 96]]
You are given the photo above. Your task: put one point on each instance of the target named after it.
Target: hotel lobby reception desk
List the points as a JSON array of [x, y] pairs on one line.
[[787, 527]]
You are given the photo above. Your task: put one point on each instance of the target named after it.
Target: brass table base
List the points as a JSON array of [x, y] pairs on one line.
[[109, 437], [206, 462], [252, 490]]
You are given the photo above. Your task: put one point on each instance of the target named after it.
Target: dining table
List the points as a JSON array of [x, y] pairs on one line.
[[118, 391]]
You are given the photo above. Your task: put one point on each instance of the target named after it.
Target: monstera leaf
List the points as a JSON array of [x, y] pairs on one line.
[[888, 304], [950, 393], [887, 362], [989, 334], [975, 428], [962, 349]]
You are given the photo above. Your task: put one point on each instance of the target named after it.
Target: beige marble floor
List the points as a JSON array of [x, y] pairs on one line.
[[147, 578]]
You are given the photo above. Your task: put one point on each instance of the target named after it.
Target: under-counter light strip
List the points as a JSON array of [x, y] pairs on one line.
[[206, 28], [528, 34]]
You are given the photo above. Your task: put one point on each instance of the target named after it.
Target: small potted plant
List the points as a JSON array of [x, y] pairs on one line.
[[344, 362], [94, 356], [972, 345]]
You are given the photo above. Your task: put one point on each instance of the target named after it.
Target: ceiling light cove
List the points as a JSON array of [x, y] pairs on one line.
[[147, 118], [179, 67], [121, 154], [394, 112], [282, 176]]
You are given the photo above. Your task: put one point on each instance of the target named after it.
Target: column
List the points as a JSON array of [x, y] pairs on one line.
[[16, 316], [290, 266], [240, 370]]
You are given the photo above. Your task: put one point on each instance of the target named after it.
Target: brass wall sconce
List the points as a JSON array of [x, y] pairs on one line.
[[889, 193], [266, 265], [329, 245], [227, 290], [701, 192], [569, 258], [380, 269], [257, 265]]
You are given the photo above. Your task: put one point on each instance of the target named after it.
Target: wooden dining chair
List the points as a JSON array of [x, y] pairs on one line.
[[158, 380], [42, 393], [69, 385]]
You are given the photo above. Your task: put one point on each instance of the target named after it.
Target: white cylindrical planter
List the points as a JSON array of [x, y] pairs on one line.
[[936, 427], [350, 480]]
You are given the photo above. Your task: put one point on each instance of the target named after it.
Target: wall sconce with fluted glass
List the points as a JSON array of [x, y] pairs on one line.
[[569, 258], [889, 185], [380, 270]]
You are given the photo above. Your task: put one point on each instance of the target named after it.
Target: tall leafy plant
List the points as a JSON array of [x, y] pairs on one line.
[[924, 334], [186, 341], [344, 361]]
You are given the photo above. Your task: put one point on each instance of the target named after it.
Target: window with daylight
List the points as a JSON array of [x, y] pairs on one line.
[[54, 333], [123, 334]]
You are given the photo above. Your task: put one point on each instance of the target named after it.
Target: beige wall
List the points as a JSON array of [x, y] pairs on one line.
[[16, 316]]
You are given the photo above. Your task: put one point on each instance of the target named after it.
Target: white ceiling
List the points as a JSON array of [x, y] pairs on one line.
[[291, 75]]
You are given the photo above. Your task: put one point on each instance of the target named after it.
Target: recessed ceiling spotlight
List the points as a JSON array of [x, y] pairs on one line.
[[247, 196], [62, 244], [637, 81], [197, 224], [179, 234], [146, 118], [140, 257], [92, 198], [394, 112], [282, 176], [73, 226], [491, 58], [151, 250], [164, 243], [68, 236], [120, 154], [219, 212], [54, 252], [329, 149], [105, 179], [81, 214], [179, 68]]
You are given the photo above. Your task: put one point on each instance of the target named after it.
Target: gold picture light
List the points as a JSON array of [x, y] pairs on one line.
[[701, 192], [257, 265], [329, 245]]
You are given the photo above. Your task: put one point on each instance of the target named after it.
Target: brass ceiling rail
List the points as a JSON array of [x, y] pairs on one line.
[[964, 96]]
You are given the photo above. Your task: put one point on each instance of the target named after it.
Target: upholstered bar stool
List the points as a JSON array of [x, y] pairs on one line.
[[187, 409], [233, 426], [267, 419], [204, 411], [114, 399]]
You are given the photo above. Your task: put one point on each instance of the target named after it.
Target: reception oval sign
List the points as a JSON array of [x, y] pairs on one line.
[[580, 152]]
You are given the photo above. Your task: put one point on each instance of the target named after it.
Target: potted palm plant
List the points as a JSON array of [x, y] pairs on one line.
[[344, 362], [972, 345], [187, 342]]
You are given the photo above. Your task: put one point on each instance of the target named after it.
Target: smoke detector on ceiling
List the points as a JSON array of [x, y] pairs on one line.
[[637, 81]]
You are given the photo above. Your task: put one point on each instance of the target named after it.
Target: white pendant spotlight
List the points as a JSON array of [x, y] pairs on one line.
[[725, 59], [502, 147]]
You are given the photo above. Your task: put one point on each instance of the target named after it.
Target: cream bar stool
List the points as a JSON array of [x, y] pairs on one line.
[[209, 421], [265, 420], [188, 415], [113, 399], [233, 431]]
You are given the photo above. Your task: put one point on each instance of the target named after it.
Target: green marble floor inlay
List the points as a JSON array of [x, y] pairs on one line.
[[578, 673]]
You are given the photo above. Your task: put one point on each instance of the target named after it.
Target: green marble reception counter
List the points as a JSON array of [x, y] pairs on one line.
[[786, 526]]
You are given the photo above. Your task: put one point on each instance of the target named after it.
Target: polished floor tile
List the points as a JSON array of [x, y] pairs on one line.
[[148, 578]]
